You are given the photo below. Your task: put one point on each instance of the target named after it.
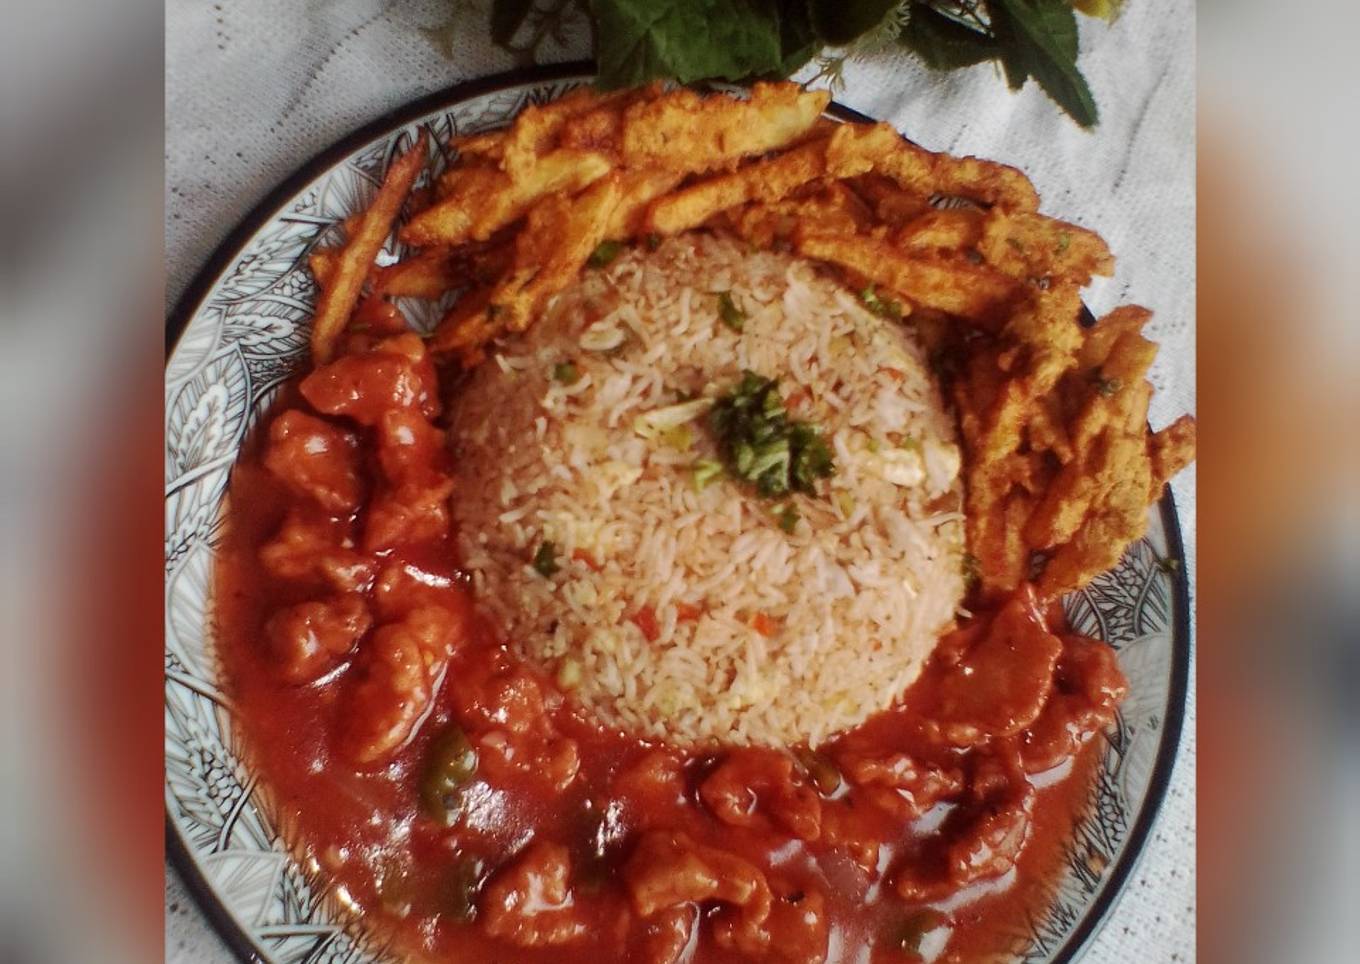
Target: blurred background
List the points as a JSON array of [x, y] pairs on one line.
[[82, 162]]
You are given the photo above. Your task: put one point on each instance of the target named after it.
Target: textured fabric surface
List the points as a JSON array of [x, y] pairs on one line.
[[254, 88]]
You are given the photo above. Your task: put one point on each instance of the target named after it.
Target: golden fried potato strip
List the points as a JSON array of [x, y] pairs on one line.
[[1025, 246], [683, 131], [970, 291], [768, 181], [559, 235], [584, 119], [1170, 450], [1119, 476], [832, 206], [941, 231], [894, 206], [479, 201], [637, 190], [429, 274], [341, 292]]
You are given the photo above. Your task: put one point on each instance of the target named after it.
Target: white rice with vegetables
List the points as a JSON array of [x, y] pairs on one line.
[[615, 527]]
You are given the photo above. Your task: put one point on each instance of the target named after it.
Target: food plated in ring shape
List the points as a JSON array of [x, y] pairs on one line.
[[691, 592]]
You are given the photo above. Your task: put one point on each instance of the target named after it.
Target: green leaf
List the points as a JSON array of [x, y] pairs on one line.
[[506, 18], [946, 44], [686, 40], [838, 22], [1042, 40]]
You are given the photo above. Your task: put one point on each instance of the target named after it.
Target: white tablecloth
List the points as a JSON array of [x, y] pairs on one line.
[[256, 87]]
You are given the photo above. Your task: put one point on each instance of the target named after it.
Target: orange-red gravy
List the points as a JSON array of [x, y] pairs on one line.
[[366, 833]]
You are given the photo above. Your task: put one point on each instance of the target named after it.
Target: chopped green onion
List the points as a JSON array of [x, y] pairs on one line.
[[761, 445], [914, 929], [731, 315], [845, 502], [545, 559], [566, 372], [680, 438], [788, 518], [1064, 242], [605, 253], [705, 471], [1107, 387], [889, 308], [912, 444], [450, 765]]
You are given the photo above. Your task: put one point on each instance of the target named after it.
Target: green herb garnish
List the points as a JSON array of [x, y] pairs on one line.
[[732, 316], [606, 252], [545, 559], [788, 517], [450, 765], [566, 372], [1064, 242], [1106, 386], [762, 446], [889, 308], [705, 471]]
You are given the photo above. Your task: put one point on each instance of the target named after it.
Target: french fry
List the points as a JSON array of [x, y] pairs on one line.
[[924, 172], [341, 294], [480, 201], [970, 291], [558, 237], [683, 131], [429, 274], [940, 231], [1170, 450], [767, 181], [1025, 246], [637, 190]]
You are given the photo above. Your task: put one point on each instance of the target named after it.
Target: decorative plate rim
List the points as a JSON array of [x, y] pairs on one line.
[[1096, 913]]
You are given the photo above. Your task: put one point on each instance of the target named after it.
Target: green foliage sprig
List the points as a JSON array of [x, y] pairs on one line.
[[637, 41]]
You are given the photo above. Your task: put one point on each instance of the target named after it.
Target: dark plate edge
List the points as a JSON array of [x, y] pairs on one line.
[[1098, 914], [187, 305]]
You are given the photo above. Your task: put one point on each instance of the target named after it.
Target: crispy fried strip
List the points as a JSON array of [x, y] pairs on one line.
[[480, 201], [969, 291], [637, 191], [1120, 477], [924, 172], [1170, 450], [485, 146], [948, 229], [893, 205], [429, 274], [559, 236], [834, 206], [583, 119], [768, 181], [765, 181], [322, 262], [341, 293], [1025, 245], [683, 131]]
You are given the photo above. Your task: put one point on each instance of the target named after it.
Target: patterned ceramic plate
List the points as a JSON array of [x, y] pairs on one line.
[[238, 334]]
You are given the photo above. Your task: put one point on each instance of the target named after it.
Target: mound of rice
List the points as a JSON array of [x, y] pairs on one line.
[[760, 635]]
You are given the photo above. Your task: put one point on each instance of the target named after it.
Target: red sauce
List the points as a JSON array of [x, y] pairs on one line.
[[571, 843]]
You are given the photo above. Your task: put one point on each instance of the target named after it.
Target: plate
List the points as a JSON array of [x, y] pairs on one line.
[[241, 330]]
